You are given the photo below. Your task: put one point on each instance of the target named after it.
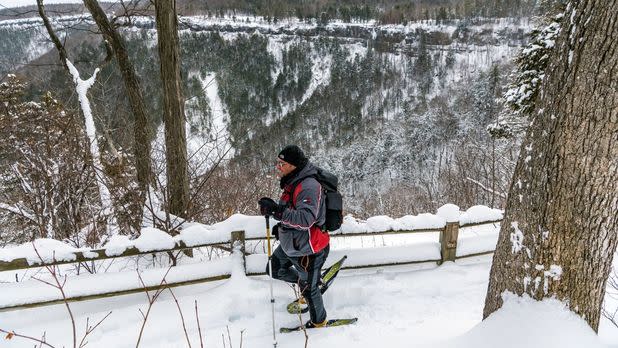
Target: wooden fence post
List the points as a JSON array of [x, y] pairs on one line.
[[448, 241], [238, 239]]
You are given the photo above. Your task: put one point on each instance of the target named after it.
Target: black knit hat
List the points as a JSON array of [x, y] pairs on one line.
[[293, 155]]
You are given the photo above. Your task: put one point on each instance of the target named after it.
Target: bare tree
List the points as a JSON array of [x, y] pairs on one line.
[[559, 235], [173, 103], [141, 134], [47, 188], [82, 87]]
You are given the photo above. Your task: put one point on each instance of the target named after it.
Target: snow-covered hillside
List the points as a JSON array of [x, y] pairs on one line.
[[379, 105]]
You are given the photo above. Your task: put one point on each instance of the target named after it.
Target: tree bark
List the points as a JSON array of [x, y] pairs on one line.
[[560, 228], [52, 35], [141, 134], [174, 115]]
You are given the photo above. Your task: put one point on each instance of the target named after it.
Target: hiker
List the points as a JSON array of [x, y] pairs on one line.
[[303, 246]]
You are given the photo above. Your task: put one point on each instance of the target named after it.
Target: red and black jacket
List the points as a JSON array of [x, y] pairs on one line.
[[299, 230]]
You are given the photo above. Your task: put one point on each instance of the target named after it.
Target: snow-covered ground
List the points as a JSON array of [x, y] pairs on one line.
[[421, 305], [403, 306]]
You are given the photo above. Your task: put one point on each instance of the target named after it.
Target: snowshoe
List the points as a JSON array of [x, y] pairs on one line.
[[310, 325], [326, 279]]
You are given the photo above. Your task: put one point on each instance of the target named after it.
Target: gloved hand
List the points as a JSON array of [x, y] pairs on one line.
[[268, 207], [276, 231]]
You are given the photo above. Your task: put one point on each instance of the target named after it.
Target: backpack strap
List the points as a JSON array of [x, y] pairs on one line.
[[295, 186]]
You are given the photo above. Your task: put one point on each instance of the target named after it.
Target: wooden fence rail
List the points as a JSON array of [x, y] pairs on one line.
[[448, 252], [448, 246]]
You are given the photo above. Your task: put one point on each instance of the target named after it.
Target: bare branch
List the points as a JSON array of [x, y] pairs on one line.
[[139, 277], [298, 294], [44, 282], [229, 337], [486, 189], [151, 301], [89, 330], [59, 46], [182, 318], [17, 210], [40, 341], [199, 328], [60, 287]]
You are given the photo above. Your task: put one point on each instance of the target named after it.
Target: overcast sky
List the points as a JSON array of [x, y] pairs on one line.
[[16, 3]]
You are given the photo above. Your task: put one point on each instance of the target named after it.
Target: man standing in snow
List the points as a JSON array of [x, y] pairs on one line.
[[303, 246]]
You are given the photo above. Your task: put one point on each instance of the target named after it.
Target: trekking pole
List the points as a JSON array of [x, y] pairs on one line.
[[270, 272]]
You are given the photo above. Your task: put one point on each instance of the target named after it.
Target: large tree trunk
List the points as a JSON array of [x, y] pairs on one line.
[[136, 100], [560, 228], [174, 115]]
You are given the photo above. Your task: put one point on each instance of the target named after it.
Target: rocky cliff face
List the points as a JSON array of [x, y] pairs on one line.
[[383, 106]]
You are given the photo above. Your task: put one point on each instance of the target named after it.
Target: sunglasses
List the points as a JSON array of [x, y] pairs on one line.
[[281, 164]]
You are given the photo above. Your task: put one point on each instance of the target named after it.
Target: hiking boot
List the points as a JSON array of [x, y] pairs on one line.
[[298, 306], [312, 325]]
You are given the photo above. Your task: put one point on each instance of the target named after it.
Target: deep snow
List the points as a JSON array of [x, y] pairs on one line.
[[403, 306], [420, 305]]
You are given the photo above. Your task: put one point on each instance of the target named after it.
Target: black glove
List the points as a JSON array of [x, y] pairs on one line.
[[276, 231], [267, 206]]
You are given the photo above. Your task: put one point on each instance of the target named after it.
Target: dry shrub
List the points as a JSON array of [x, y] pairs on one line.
[[233, 188]]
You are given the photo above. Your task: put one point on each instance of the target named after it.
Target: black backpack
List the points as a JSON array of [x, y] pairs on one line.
[[334, 200]]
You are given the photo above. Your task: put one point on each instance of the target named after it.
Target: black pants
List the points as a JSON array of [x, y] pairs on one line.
[[304, 271]]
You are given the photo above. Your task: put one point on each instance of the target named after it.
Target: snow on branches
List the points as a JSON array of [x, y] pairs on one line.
[[521, 93], [531, 65]]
